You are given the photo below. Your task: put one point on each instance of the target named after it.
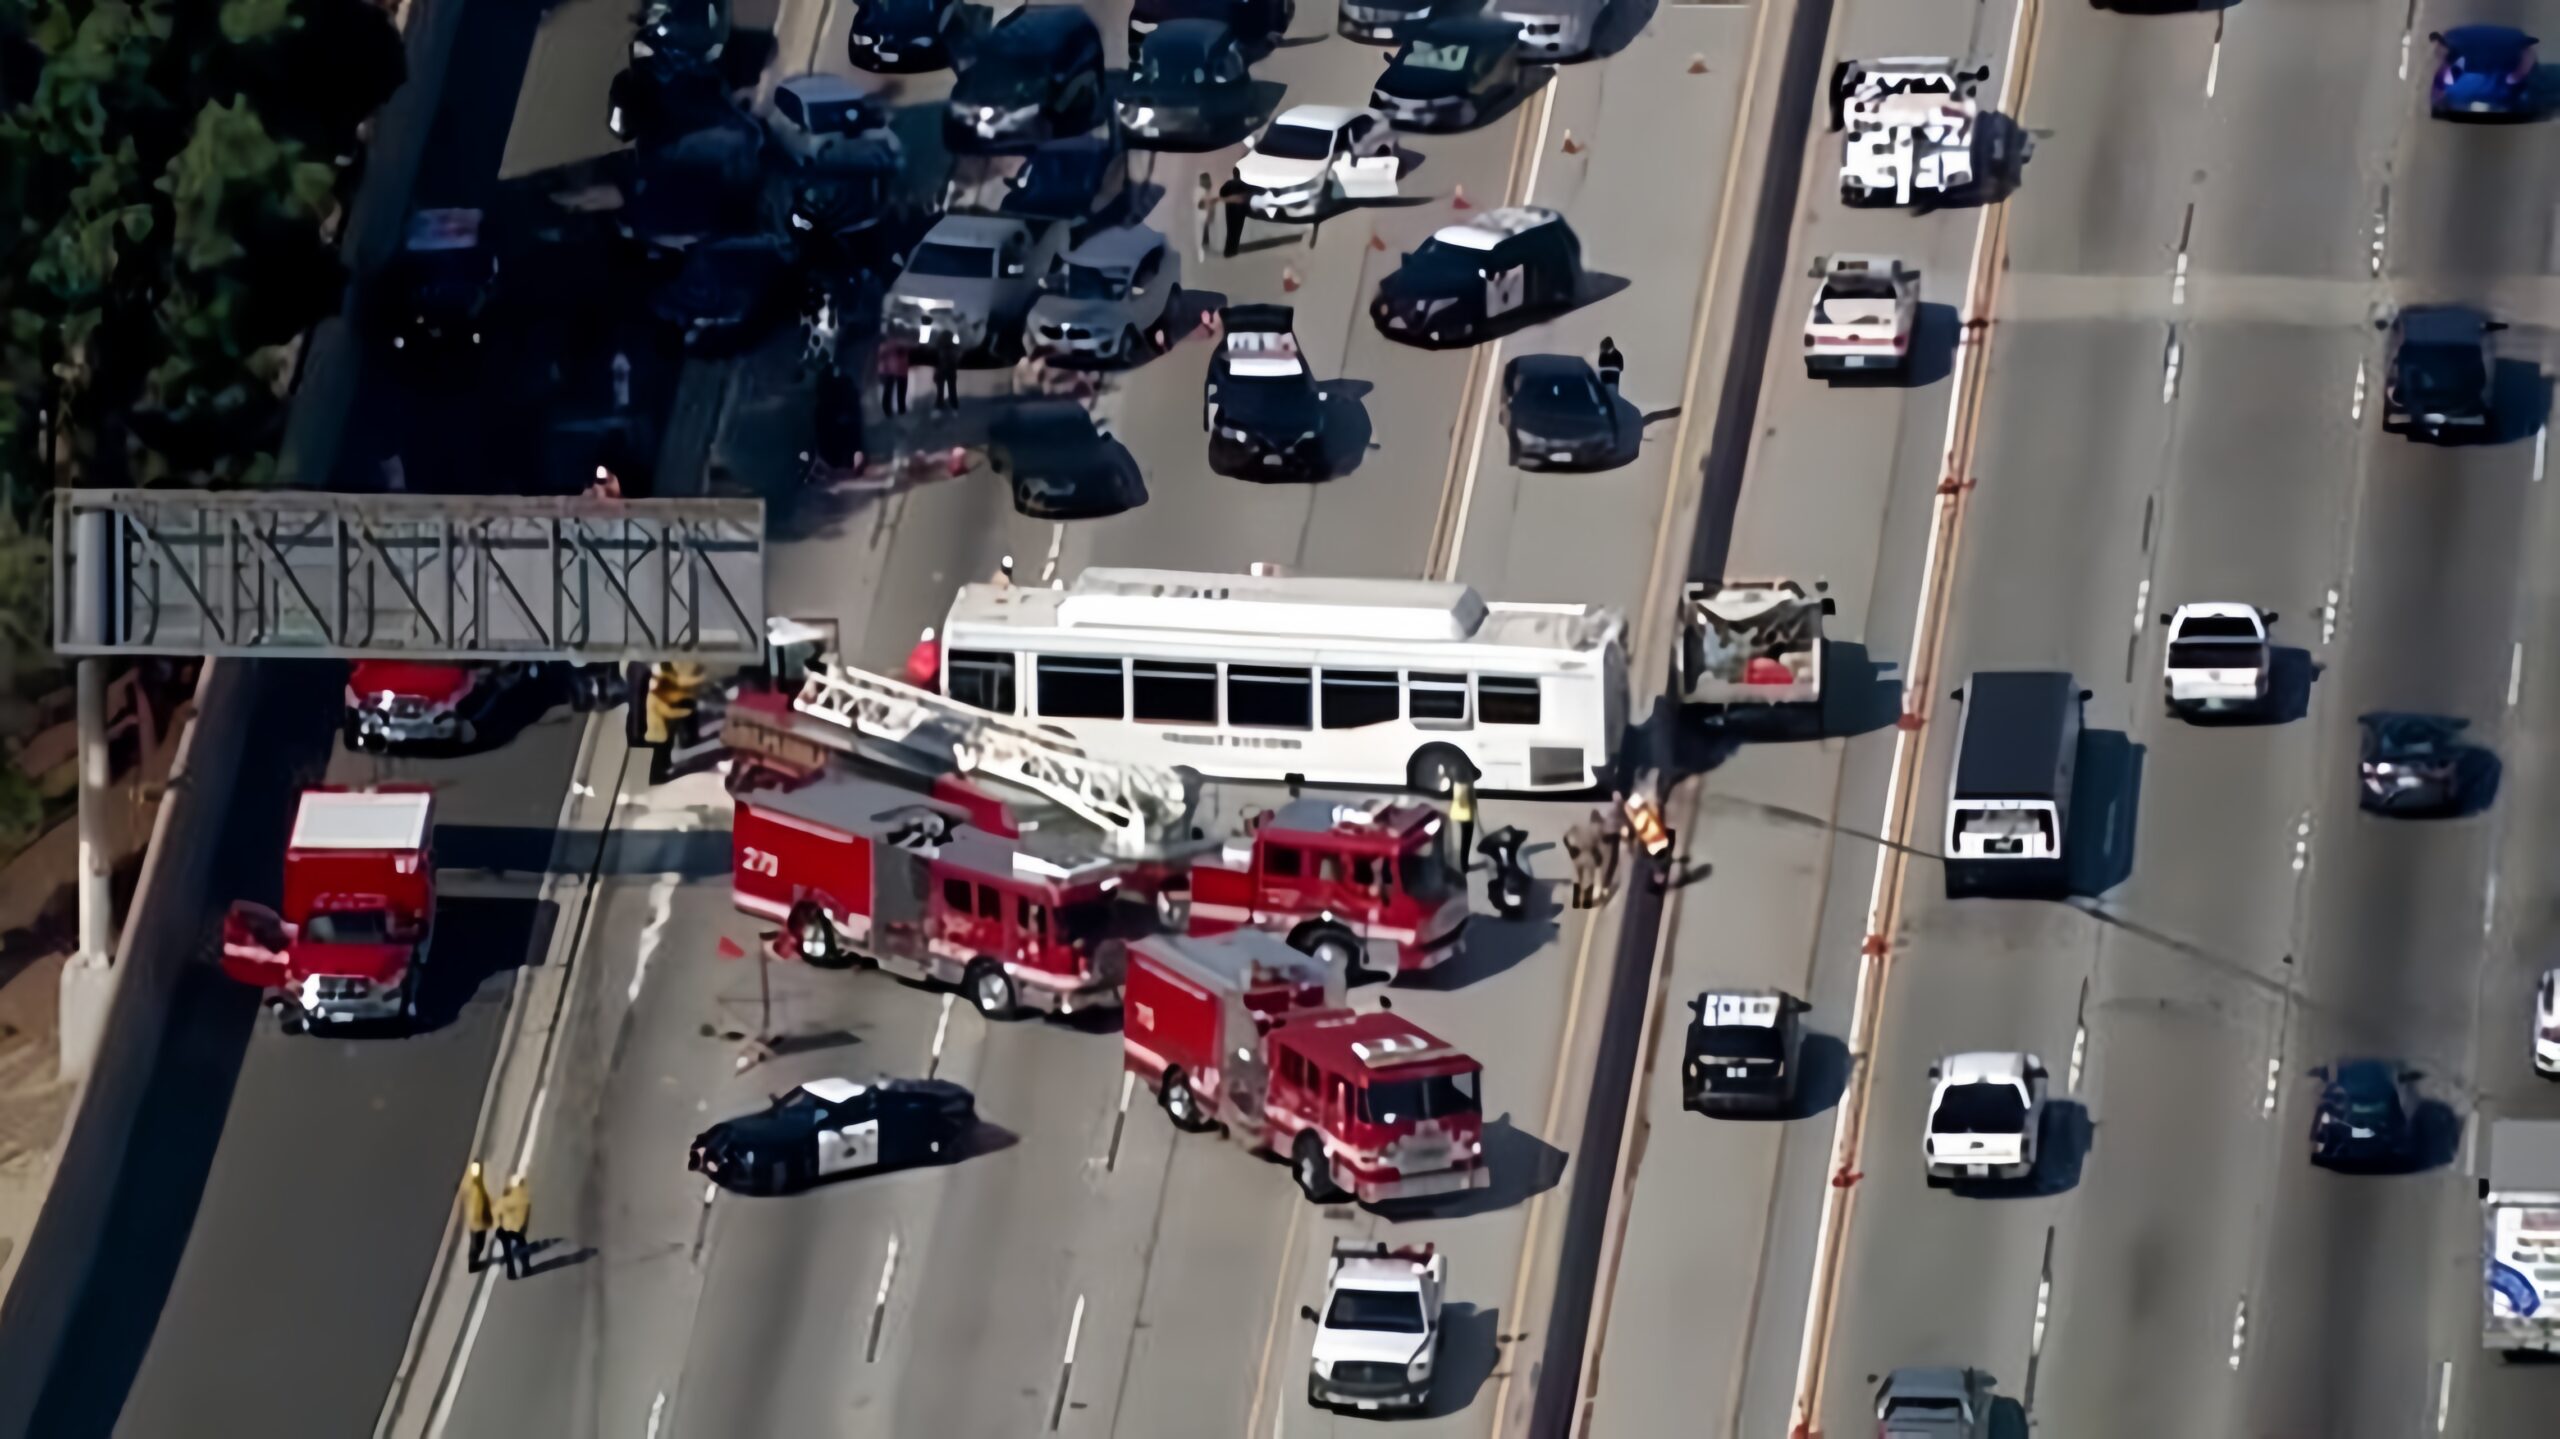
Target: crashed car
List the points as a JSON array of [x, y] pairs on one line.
[[1260, 24], [434, 295], [1501, 267], [1862, 316], [1110, 299], [2367, 1115], [393, 703], [898, 36], [1315, 158], [1558, 416], [692, 29], [830, 1128], [1985, 1111], [973, 277], [1190, 89], [2412, 763], [2440, 379], [1260, 403], [1449, 75], [1061, 465], [1037, 76]]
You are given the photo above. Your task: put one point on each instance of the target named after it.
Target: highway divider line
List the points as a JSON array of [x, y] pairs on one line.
[[1067, 1366], [1271, 1328], [1480, 375], [1928, 637]]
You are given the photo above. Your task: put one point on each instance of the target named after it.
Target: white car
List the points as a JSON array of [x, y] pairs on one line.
[[1862, 317], [2546, 1026], [1911, 128], [1378, 1335], [1985, 1110], [1316, 157], [1554, 29], [2218, 658]]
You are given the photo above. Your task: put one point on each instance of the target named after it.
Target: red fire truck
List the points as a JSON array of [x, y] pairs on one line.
[[1234, 1030], [1367, 884], [359, 900]]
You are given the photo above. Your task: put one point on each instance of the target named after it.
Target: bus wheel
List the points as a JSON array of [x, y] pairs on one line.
[[1181, 1103], [1436, 769], [815, 938], [1314, 1174], [991, 989]]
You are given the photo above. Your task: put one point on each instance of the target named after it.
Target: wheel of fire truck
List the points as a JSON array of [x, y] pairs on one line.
[[1181, 1102], [1437, 768], [1331, 944], [1312, 1170], [991, 989], [816, 939]]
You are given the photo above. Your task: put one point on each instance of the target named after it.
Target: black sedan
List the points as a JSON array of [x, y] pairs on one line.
[[1061, 466], [1450, 75], [1560, 417], [827, 1128], [2412, 763], [1189, 88], [2440, 381], [897, 36], [2368, 1116], [1258, 23]]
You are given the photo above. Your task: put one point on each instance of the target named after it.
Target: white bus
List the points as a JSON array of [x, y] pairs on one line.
[[1339, 681]]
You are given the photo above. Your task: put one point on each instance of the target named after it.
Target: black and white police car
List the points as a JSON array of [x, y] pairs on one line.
[[1742, 1052], [828, 1128], [1504, 266]]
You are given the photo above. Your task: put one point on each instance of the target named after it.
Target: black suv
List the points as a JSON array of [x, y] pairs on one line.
[[2368, 1115], [1260, 24], [896, 36], [1384, 22], [2441, 380], [1260, 403], [1485, 277], [1036, 77], [1189, 88], [1743, 1052], [1450, 74]]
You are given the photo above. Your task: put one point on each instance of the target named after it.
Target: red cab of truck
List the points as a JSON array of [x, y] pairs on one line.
[[359, 902], [1242, 1030], [1365, 882], [862, 872]]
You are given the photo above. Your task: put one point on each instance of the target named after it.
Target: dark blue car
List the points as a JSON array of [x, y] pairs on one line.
[[2484, 72], [2367, 1117]]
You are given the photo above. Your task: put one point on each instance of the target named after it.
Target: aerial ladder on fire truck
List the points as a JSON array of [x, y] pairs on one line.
[[1137, 807]]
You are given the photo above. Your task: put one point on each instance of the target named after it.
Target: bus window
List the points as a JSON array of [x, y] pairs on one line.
[[1171, 692], [1081, 687], [1356, 698], [1506, 699], [1269, 697], [1439, 699], [983, 678]]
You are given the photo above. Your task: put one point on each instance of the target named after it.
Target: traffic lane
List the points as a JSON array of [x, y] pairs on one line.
[[578, 49], [327, 1147], [1218, 1283], [2471, 203], [1543, 536], [2104, 203]]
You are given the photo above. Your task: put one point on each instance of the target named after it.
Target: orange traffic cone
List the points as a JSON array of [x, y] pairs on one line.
[[1458, 199], [1289, 278], [1377, 241], [1572, 146], [1697, 64]]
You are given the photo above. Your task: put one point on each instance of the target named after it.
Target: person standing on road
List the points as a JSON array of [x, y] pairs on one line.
[[514, 1214], [891, 365], [946, 372], [1612, 364], [1611, 825], [1644, 820], [1204, 204], [1462, 812], [475, 1214], [1233, 195], [1582, 846]]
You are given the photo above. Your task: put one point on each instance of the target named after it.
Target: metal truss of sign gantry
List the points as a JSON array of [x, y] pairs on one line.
[[156, 572]]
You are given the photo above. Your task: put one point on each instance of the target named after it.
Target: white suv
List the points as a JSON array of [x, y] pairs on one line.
[[1985, 1110]]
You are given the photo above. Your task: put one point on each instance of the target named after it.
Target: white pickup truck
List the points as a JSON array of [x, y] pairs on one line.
[[1862, 316], [2219, 658], [1378, 1335]]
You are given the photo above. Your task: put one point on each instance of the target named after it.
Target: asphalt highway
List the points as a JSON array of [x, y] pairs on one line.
[[1176, 1263], [2176, 1266]]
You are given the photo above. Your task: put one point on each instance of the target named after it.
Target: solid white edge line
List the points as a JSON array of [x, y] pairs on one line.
[[2444, 1395], [1075, 1331], [2275, 1076], [2471, 1145], [1493, 352], [662, 896], [2239, 1331], [657, 1412], [2541, 450], [2515, 673], [1809, 1359], [2213, 70]]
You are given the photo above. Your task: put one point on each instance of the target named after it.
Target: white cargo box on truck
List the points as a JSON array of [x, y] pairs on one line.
[[2520, 1219], [1750, 644]]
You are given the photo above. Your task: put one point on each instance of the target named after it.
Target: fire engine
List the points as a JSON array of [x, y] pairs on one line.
[[359, 900], [1365, 1103], [1366, 883]]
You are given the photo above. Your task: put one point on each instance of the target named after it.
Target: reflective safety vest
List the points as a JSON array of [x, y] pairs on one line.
[[1646, 820], [674, 689]]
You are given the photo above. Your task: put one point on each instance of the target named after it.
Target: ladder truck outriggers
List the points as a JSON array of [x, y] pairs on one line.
[[1034, 861]]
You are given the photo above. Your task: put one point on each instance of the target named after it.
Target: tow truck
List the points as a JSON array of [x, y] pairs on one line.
[[1910, 125], [1750, 646], [2219, 658], [359, 902], [1378, 1335], [1862, 316]]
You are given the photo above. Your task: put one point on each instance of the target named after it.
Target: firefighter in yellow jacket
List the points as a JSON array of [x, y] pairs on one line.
[[675, 693]]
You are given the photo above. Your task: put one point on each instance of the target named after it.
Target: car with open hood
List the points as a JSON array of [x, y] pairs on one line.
[[1109, 300], [1260, 402], [1558, 416], [901, 36], [1985, 1111], [1499, 269], [1037, 76], [834, 1128], [1313, 159], [1260, 24], [975, 278], [1450, 74], [1062, 465], [1190, 88]]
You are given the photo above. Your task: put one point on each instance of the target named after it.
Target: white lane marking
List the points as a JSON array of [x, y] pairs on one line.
[[2329, 619], [941, 1031], [1067, 1366], [2079, 1054], [2408, 25], [662, 898], [2444, 1394], [1120, 1120], [2515, 673], [1493, 353], [2213, 68], [2541, 450], [2239, 1331], [2381, 227], [2355, 404], [880, 1301], [2178, 281], [1057, 542], [2302, 842], [2471, 1145], [2489, 903], [2275, 1072], [2169, 370], [657, 1413], [2141, 604]]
